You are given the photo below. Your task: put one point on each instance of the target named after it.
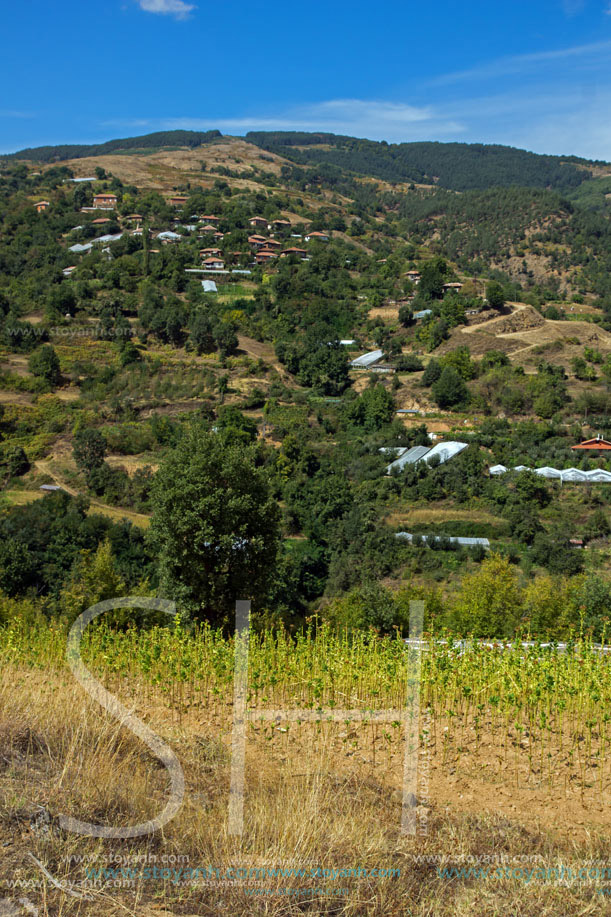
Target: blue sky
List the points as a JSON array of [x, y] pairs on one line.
[[529, 73]]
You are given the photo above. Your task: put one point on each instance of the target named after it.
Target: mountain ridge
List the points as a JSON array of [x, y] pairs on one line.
[[451, 166]]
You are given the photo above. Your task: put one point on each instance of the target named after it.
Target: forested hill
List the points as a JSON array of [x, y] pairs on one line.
[[452, 166], [455, 166], [147, 141]]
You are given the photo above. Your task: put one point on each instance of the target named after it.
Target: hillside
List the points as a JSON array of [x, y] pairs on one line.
[[237, 371], [487, 304], [155, 141], [455, 166]]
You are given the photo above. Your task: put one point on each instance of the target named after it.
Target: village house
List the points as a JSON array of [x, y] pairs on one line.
[[99, 221], [281, 224], [214, 264], [272, 243], [133, 218], [598, 444], [457, 287], [317, 237], [210, 253], [299, 252], [414, 276], [42, 205], [208, 228], [265, 255], [68, 271], [258, 221], [209, 219], [105, 201], [178, 201], [257, 241]]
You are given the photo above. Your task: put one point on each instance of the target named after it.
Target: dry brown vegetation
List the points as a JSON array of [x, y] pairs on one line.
[[163, 170], [314, 803]]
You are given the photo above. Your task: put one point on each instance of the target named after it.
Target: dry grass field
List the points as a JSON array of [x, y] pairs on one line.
[[504, 826], [165, 169], [313, 807]]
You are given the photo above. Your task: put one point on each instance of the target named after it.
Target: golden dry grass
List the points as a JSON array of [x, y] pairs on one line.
[[166, 169], [58, 751], [436, 514]]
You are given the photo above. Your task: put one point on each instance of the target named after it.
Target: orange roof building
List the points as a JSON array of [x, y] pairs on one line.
[[105, 201], [597, 444], [264, 255], [293, 251]]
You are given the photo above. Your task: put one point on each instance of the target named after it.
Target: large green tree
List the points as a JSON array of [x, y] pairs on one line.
[[450, 391], [215, 526], [44, 363]]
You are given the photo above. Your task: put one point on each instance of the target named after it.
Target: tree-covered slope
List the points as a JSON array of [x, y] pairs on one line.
[[146, 141], [456, 166]]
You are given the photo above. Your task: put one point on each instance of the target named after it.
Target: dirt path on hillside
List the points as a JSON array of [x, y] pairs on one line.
[[116, 513], [262, 351]]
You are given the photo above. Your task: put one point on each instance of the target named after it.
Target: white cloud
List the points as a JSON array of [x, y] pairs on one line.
[[573, 7], [11, 113], [546, 118], [377, 120], [177, 8], [518, 63]]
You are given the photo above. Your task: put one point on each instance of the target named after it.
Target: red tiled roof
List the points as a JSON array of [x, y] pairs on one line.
[[597, 443]]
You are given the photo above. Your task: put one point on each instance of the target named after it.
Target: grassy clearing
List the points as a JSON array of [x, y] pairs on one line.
[[20, 497], [438, 514]]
